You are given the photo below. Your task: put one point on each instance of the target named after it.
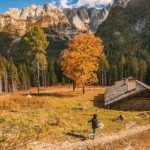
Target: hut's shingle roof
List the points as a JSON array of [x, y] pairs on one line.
[[120, 91]]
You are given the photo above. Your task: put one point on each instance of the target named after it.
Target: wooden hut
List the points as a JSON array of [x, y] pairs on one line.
[[128, 94]]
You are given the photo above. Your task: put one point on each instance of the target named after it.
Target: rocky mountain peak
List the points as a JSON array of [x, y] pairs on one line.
[[21, 19], [33, 11], [120, 3], [59, 22], [90, 18]]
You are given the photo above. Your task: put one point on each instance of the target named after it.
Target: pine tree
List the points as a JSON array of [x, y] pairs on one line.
[[122, 62], [13, 76], [6, 64], [3, 74], [142, 70], [51, 72], [59, 74], [37, 42], [114, 73], [103, 69], [63, 80], [135, 67], [24, 76]]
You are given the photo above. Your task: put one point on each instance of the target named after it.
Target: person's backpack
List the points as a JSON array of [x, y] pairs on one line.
[[96, 123]]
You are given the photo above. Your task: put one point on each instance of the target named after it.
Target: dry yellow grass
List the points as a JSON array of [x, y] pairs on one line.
[[53, 115]]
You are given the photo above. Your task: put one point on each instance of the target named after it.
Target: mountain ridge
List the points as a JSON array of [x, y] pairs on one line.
[[63, 23], [126, 36]]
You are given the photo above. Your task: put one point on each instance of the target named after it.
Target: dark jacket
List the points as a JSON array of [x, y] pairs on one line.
[[94, 123]]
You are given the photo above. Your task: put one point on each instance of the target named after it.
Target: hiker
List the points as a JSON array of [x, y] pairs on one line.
[[95, 125]]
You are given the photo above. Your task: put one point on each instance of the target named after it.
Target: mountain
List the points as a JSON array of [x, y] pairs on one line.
[[87, 19], [20, 20], [126, 35], [58, 22], [131, 21], [120, 3]]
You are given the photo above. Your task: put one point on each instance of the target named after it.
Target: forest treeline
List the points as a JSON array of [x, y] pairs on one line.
[[30, 61], [18, 61], [127, 52], [126, 36]]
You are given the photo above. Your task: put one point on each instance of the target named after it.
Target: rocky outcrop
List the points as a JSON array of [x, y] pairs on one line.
[[120, 3], [58, 22], [21, 20], [86, 19]]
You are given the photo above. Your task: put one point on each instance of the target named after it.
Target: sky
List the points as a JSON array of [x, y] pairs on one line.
[[7, 4]]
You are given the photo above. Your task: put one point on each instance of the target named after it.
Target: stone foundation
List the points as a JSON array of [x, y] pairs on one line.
[[136, 104]]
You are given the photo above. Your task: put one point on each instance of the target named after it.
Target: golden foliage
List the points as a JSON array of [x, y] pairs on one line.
[[80, 61]]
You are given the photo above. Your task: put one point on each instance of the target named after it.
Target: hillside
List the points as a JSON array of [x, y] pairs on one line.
[[126, 36]]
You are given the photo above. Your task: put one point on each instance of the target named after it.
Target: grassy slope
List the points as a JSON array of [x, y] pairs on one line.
[[51, 116]]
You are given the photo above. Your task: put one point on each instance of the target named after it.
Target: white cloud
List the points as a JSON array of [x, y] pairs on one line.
[[93, 3], [65, 3], [89, 3]]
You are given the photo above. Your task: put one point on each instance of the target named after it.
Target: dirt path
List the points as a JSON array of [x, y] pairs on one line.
[[139, 141], [90, 144]]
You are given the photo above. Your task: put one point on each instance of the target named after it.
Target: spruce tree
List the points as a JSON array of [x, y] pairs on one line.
[[51, 73], [37, 43], [122, 62], [142, 70], [114, 73], [135, 67], [24, 76], [1, 73], [13, 76]]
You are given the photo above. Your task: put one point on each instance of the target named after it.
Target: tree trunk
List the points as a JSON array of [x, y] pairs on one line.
[[69, 83], [25, 86], [122, 72], [74, 86], [99, 77], [14, 85], [105, 78], [141, 76], [6, 83], [1, 85], [42, 75], [136, 75], [45, 84], [83, 89], [38, 75], [43, 79], [102, 76]]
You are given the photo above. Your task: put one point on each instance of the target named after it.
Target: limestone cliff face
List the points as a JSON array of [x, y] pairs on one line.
[[58, 22], [21, 20], [86, 19]]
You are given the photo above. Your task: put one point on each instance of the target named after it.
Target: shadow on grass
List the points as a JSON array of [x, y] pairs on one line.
[[98, 101], [55, 94], [76, 135]]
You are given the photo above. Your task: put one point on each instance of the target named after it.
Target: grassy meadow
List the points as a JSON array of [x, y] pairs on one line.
[[53, 116]]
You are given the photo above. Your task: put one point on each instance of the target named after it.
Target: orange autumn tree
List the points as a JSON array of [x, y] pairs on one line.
[[80, 61]]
